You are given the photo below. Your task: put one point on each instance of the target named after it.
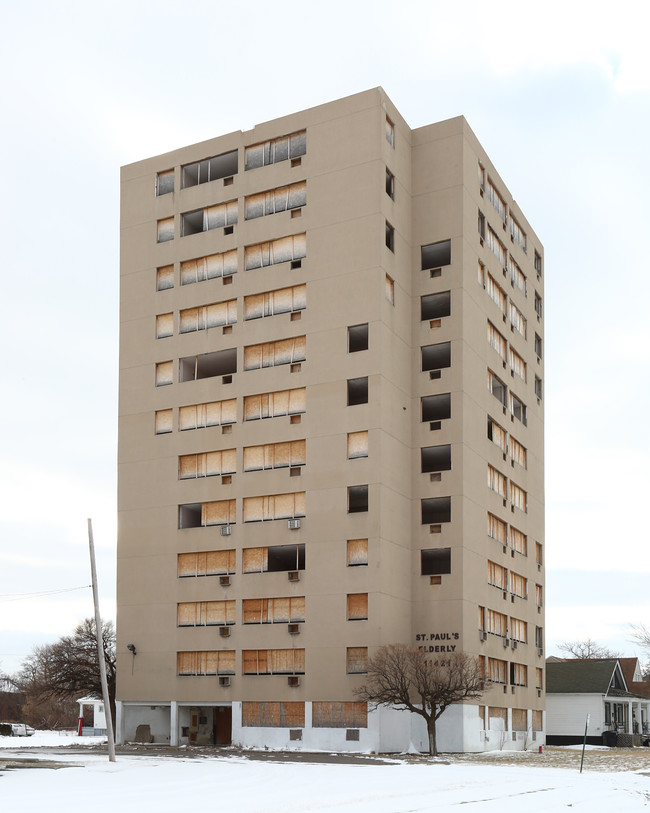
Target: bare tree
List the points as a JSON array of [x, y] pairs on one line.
[[641, 636], [587, 650], [403, 678], [55, 675]]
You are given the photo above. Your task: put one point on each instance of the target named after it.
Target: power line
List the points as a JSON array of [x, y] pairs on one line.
[[22, 596]]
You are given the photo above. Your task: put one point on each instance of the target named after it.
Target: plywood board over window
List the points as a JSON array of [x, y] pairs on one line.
[[357, 552], [206, 563], [330, 714], [273, 714], [274, 506], [274, 404], [357, 606], [212, 266], [215, 413]]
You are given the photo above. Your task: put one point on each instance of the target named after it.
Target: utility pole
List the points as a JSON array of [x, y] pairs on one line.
[[100, 648]]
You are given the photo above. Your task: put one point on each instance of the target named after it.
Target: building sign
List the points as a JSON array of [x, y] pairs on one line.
[[438, 641]]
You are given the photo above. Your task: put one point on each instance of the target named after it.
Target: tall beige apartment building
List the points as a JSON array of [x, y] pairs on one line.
[[331, 433]]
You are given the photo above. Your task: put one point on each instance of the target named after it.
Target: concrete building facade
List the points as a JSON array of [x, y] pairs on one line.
[[331, 432]]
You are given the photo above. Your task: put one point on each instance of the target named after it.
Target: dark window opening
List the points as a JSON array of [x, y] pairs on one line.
[[210, 169], [435, 562], [189, 516], [436, 407], [499, 390], [192, 222], [436, 458], [436, 356], [481, 225], [165, 182], [390, 237], [207, 365], [357, 391], [435, 306], [286, 557], [357, 499], [538, 263], [538, 387], [435, 255], [357, 338], [436, 510], [390, 184], [538, 346], [538, 304]]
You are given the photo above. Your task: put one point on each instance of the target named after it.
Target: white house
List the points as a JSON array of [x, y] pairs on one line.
[[91, 711]]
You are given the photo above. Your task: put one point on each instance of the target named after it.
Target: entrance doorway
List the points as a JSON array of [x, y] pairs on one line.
[[223, 725]]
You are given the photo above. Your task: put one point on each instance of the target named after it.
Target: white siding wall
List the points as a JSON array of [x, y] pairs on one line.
[[566, 714]]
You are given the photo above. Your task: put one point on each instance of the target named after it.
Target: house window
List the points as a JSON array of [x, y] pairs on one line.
[[435, 561], [164, 325], [496, 292], [274, 559], [274, 201], [200, 416], [164, 373], [164, 182], [517, 364], [390, 132], [206, 464], [279, 149], [390, 289], [208, 365], [518, 541], [519, 630], [538, 346], [496, 623], [357, 606], [518, 409], [497, 576], [539, 684], [481, 225], [496, 246], [275, 455], [209, 169], [357, 552], [357, 391], [518, 497], [290, 609], [272, 714], [497, 388], [273, 354], [497, 673], [517, 234], [518, 674], [495, 198], [435, 458], [497, 529], [205, 613], [518, 585], [436, 510], [435, 255], [496, 340], [357, 338], [390, 236], [206, 563], [356, 660], [357, 444], [517, 276], [436, 356], [481, 176], [357, 499], [435, 306], [274, 506], [496, 481], [163, 421], [200, 515], [165, 229], [538, 553], [518, 453], [517, 320], [212, 217], [282, 250], [538, 387], [538, 305], [273, 661], [211, 267], [539, 637], [538, 595], [390, 184], [436, 407], [275, 404], [206, 663], [538, 264], [497, 434], [271, 303], [205, 317]]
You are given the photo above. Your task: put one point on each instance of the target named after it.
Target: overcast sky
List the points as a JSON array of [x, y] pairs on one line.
[[558, 93]]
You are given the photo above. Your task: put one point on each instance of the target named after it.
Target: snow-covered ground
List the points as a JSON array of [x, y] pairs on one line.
[[235, 784]]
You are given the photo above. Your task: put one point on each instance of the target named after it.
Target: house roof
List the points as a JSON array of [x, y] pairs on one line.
[[579, 676]]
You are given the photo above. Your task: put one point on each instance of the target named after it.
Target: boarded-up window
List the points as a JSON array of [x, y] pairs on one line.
[[273, 714], [357, 660], [215, 413], [274, 506], [496, 623], [210, 267], [518, 497], [518, 674], [206, 563], [538, 553], [212, 217], [275, 559], [519, 720], [164, 325], [205, 613], [275, 455], [539, 678], [538, 595], [357, 552], [517, 319], [276, 150], [206, 663], [518, 452], [165, 182], [518, 234], [275, 404], [518, 585], [270, 303], [517, 276], [537, 720], [206, 464], [497, 575], [197, 515], [496, 292], [164, 373], [290, 609], [390, 289], [273, 661], [498, 717], [497, 434], [518, 541], [207, 316], [331, 714], [495, 198], [163, 421], [272, 354], [519, 630], [357, 606], [497, 670], [282, 250], [164, 277], [517, 364], [496, 247], [357, 444], [496, 481], [496, 340], [496, 528], [275, 200], [165, 229]]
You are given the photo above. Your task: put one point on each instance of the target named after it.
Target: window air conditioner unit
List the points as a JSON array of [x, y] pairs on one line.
[[224, 632], [224, 681], [225, 530], [293, 575], [224, 581], [293, 680], [293, 524], [294, 629]]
